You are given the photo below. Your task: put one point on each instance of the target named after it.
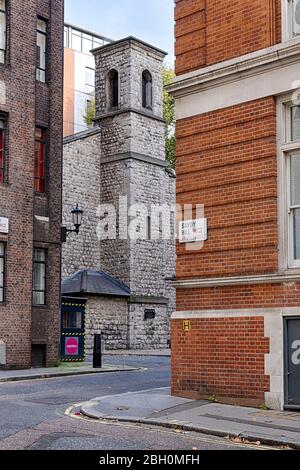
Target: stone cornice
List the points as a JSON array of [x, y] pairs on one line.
[[240, 312], [129, 41], [117, 112], [81, 135], [234, 69], [134, 156], [238, 280], [140, 299]]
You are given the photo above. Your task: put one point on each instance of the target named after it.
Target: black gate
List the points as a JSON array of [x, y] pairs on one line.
[[73, 329], [292, 362]]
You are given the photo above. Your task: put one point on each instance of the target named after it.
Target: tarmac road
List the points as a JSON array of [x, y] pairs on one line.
[[33, 413]]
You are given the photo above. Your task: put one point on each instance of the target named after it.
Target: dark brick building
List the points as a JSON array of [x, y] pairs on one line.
[[31, 66]]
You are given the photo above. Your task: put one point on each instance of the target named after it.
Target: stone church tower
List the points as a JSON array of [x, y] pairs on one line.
[[128, 144]]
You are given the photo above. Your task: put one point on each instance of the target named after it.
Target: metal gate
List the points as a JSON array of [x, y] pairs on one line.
[[292, 362], [73, 329]]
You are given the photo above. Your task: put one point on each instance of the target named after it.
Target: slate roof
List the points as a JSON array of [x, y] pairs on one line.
[[94, 282]]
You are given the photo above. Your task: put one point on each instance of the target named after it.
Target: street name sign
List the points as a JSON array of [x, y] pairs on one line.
[[4, 225], [193, 231]]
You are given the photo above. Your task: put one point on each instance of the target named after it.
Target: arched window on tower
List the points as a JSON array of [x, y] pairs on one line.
[[113, 94], [147, 93]]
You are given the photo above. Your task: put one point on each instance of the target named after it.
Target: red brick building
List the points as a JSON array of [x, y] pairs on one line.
[[238, 154], [31, 63]]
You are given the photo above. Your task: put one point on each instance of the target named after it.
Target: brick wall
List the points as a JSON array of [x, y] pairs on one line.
[[211, 360], [190, 34], [236, 297], [28, 103], [48, 112], [210, 31], [226, 160]]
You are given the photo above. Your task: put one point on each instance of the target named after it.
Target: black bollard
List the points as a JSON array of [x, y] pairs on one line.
[[97, 356]]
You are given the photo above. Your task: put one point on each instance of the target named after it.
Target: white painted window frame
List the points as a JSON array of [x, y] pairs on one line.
[[286, 148], [287, 20]]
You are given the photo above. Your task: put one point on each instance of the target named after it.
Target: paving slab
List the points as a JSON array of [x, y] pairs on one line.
[[139, 352], [132, 405], [64, 370], [157, 406]]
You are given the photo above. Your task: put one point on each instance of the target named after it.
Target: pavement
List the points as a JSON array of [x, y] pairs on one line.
[[140, 352], [158, 407], [63, 370], [85, 368]]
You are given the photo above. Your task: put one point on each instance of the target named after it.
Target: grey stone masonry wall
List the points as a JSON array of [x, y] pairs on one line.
[[81, 184], [116, 131], [136, 134], [149, 186], [130, 58], [147, 136], [109, 316], [129, 130], [115, 255], [123, 161], [148, 334]]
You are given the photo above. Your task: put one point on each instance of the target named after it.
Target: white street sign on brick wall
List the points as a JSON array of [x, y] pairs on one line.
[[4, 225], [193, 231]]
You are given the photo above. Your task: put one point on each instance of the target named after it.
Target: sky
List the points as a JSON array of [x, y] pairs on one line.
[[152, 21]]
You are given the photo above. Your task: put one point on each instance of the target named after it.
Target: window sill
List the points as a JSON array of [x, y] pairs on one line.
[[147, 110], [43, 84], [113, 109], [292, 270], [4, 65], [291, 37]]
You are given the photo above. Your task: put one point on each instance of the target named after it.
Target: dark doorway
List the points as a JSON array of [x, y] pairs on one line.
[[73, 329], [38, 355], [292, 362]]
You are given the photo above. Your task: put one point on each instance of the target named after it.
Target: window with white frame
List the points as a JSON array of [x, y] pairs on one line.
[[295, 17], [290, 19], [66, 37], [39, 276], [290, 154], [90, 76], [87, 43], [81, 41], [294, 205], [41, 49], [2, 30]]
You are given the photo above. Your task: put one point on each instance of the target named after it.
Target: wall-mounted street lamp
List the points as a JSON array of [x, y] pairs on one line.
[[77, 215]]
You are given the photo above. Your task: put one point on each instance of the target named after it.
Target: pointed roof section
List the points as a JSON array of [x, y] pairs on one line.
[[94, 282]]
